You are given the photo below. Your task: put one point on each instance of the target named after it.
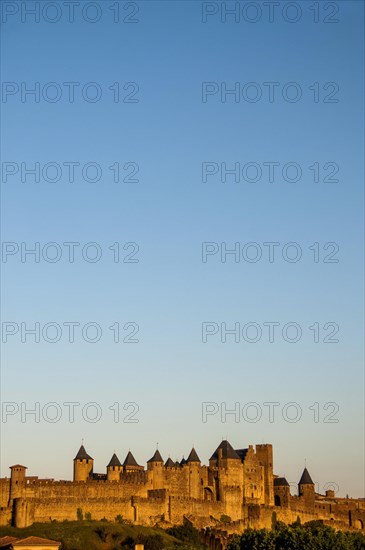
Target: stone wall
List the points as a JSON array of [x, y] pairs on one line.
[[4, 492], [5, 515], [85, 490], [28, 511], [179, 506]]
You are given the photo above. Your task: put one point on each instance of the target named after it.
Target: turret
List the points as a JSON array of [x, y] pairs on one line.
[[193, 457], [281, 492], [130, 464], [83, 465], [170, 463], [155, 468], [306, 489], [193, 461], [114, 469], [17, 482]]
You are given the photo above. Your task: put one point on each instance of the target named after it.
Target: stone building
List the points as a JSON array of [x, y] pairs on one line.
[[238, 484], [29, 543]]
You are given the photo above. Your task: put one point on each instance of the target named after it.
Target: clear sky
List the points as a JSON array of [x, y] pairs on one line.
[[297, 73]]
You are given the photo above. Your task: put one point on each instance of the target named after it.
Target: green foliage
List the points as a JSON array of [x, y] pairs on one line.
[[185, 533], [297, 522], [150, 542], [79, 514], [154, 542], [311, 536], [273, 520], [88, 516], [99, 535], [225, 519], [128, 543], [119, 519], [255, 540]]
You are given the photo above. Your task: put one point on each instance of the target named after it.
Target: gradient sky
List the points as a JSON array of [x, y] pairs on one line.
[[169, 213]]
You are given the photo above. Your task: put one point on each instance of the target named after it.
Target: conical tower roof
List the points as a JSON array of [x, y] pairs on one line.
[[306, 478], [130, 460], [114, 461], [82, 454], [183, 462], [227, 451], [169, 463], [193, 457], [156, 457]]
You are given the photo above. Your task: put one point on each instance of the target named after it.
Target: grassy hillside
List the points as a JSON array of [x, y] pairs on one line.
[[103, 535]]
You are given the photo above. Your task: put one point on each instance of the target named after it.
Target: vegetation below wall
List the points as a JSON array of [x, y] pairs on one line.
[[104, 535], [311, 536]]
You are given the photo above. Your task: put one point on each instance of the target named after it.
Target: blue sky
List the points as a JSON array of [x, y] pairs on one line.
[[169, 213]]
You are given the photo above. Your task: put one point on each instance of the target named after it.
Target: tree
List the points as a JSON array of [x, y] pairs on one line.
[[311, 536], [273, 520]]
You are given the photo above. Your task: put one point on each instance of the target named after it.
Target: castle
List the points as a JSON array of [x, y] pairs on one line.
[[238, 485]]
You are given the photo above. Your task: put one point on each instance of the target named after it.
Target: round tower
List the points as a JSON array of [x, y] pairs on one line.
[[130, 464], [114, 469], [83, 465], [306, 490], [170, 464], [155, 468], [195, 487]]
